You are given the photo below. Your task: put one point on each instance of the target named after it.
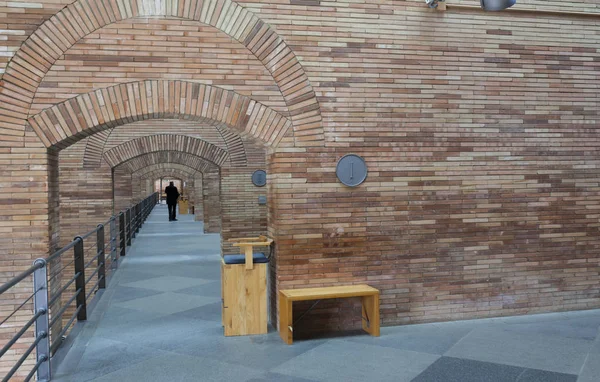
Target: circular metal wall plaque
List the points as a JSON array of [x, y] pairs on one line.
[[259, 178], [351, 170]]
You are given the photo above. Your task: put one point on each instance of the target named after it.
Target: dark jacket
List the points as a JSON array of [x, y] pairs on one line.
[[172, 194]]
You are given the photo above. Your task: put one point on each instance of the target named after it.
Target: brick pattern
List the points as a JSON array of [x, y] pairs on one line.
[[145, 160], [221, 137], [480, 141], [123, 189], [72, 23], [211, 184], [139, 184], [199, 198], [167, 48], [67, 122], [166, 142], [86, 195], [92, 157], [144, 180]]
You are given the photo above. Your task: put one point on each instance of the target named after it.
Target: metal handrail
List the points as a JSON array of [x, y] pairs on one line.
[[45, 343], [15, 280]]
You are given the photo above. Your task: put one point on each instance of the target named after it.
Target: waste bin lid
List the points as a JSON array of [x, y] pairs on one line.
[[258, 258]]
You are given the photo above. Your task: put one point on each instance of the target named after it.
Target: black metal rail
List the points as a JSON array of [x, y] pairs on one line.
[[49, 297]]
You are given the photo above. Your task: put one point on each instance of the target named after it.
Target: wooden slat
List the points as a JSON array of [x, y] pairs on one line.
[[329, 292]]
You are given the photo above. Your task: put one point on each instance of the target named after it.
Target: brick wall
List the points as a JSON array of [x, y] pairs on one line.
[[212, 202], [479, 131], [198, 198], [122, 188]]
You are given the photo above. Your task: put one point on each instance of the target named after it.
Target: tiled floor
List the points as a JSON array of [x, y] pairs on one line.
[[159, 320]]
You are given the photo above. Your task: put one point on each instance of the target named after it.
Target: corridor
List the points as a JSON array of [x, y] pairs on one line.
[[159, 320]]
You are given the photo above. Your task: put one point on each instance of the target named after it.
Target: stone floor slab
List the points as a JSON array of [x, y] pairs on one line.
[[424, 339], [103, 356], [181, 368], [167, 303], [591, 369], [348, 361], [535, 351], [531, 375], [448, 369], [167, 283]]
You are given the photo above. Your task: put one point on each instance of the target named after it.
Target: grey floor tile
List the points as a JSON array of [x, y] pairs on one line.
[[115, 316], [125, 293], [531, 375], [348, 361], [167, 283], [424, 339], [211, 289], [180, 368], [573, 328], [533, 350], [130, 276], [534, 318], [591, 369], [447, 369], [102, 356], [165, 334], [167, 303], [275, 377], [209, 312], [596, 346], [250, 351]]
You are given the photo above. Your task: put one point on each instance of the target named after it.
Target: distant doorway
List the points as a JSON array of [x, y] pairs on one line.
[[162, 183]]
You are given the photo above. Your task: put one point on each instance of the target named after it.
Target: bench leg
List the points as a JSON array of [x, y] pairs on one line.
[[370, 310], [285, 319]]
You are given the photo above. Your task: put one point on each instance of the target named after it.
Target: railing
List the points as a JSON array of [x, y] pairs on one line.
[[49, 307]]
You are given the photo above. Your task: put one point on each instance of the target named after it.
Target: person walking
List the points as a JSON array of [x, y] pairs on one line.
[[172, 196]]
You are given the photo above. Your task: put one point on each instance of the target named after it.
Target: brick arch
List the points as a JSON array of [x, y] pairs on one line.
[[69, 121], [95, 145], [146, 172], [176, 172], [148, 159], [55, 36], [166, 142]]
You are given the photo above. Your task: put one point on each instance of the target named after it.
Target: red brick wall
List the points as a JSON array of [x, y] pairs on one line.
[[86, 195], [212, 202], [198, 198], [478, 130], [122, 184]]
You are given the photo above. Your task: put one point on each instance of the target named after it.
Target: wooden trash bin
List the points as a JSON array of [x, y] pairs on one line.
[[244, 289], [183, 206]]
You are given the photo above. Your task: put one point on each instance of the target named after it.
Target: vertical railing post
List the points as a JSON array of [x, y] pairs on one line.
[[80, 279], [128, 225], [133, 222], [42, 323], [101, 257], [114, 262], [138, 213], [122, 243]]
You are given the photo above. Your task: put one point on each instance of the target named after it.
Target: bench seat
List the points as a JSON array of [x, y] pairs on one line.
[[368, 294]]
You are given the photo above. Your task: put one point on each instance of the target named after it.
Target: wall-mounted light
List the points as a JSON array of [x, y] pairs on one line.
[[497, 5], [486, 5], [432, 3]]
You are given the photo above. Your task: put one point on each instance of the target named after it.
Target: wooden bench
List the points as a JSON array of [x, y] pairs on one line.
[[370, 305]]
